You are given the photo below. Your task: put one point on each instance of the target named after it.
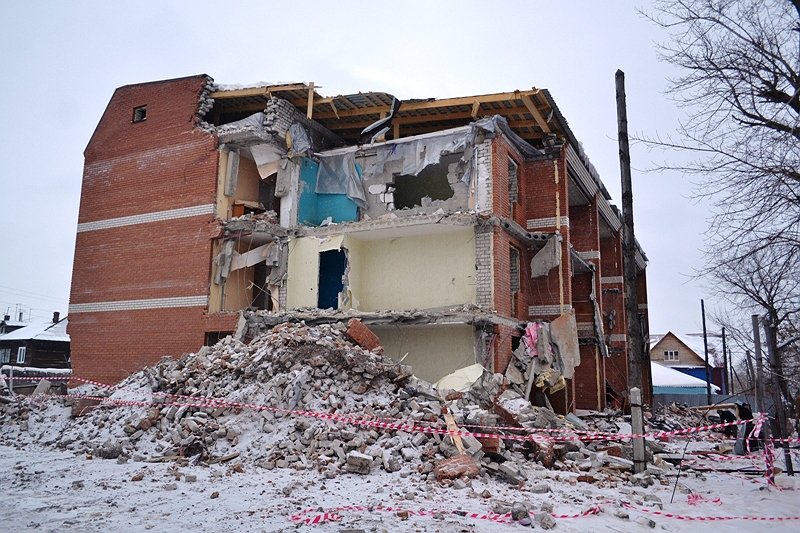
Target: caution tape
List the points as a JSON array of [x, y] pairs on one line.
[[392, 424], [315, 516], [708, 518]]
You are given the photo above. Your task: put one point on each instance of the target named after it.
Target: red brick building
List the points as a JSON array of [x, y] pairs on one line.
[[420, 217]]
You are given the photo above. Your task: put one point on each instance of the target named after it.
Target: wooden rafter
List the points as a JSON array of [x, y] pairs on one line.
[[537, 115], [256, 91]]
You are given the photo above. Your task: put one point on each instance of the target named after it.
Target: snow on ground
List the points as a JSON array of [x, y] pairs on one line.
[[49, 490]]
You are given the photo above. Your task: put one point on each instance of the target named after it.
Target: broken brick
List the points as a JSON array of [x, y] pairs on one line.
[[456, 467], [83, 406], [362, 335]]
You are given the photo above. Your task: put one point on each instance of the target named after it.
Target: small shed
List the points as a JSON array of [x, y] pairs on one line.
[[669, 381], [37, 345]]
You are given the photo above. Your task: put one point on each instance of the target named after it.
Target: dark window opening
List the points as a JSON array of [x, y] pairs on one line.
[[139, 113], [266, 194], [261, 296], [213, 337], [513, 186], [431, 183], [332, 265], [515, 342]]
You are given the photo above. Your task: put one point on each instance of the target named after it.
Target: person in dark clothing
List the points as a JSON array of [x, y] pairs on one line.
[[726, 417], [746, 413]]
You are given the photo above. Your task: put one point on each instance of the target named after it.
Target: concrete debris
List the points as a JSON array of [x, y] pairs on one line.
[[324, 368]]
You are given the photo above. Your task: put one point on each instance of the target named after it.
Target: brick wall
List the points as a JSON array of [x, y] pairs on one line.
[[162, 163], [590, 375], [538, 196], [112, 345], [614, 303]]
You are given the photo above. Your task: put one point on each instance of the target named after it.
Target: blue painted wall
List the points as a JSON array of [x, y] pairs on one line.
[[313, 208]]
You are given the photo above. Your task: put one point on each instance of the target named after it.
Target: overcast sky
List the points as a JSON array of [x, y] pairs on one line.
[[63, 60]]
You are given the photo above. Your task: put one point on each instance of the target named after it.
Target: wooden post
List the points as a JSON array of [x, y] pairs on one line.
[[635, 357], [705, 348], [637, 427], [777, 401], [751, 373], [726, 382]]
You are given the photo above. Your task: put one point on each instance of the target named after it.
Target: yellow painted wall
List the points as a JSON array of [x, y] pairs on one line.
[[238, 290], [418, 272], [248, 180], [433, 351], [303, 273]]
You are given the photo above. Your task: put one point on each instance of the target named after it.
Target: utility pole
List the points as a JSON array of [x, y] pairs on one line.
[[777, 401], [759, 376], [635, 356], [726, 382], [705, 347]]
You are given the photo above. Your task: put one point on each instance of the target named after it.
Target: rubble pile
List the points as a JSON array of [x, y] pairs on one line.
[[313, 368]]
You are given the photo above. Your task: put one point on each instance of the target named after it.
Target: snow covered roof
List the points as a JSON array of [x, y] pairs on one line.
[[42, 331], [15, 323], [666, 377]]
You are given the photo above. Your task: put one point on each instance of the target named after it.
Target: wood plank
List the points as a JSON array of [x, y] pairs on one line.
[[537, 115], [476, 106], [310, 105], [451, 426], [256, 91]]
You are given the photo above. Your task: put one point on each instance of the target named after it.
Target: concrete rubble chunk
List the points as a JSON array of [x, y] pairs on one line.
[[358, 463], [544, 520], [43, 387]]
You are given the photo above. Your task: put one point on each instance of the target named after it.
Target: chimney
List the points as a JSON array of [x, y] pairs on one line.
[[55, 317]]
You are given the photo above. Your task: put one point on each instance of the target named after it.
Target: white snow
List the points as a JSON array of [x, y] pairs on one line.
[[35, 370], [667, 377], [50, 490], [44, 331]]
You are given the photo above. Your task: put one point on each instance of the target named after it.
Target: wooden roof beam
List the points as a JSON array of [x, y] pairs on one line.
[[256, 91], [537, 115]]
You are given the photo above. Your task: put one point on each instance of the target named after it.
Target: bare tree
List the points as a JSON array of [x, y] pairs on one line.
[[765, 281], [739, 84]]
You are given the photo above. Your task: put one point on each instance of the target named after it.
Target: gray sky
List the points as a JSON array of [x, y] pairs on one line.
[[63, 60]]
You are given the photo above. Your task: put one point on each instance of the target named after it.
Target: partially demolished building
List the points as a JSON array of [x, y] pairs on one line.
[[463, 230]]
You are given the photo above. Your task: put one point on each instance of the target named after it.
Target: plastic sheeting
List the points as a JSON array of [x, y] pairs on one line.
[[268, 158], [253, 122], [418, 154], [298, 140], [338, 174]]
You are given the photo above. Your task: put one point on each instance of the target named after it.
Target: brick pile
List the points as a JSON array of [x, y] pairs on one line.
[[301, 367]]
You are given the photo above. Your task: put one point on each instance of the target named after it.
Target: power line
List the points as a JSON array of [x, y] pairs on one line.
[[32, 296]]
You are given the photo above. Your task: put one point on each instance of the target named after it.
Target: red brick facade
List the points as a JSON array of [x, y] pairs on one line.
[[159, 164], [166, 163]]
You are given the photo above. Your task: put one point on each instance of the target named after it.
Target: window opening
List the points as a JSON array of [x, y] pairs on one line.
[[21, 354], [213, 337], [261, 294], [139, 113], [5, 355], [513, 186], [670, 355], [515, 277], [332, 265], [429, 185]]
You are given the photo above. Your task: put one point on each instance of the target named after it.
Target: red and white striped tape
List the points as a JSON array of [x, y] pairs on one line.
[[206, 402], [708, 518]]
